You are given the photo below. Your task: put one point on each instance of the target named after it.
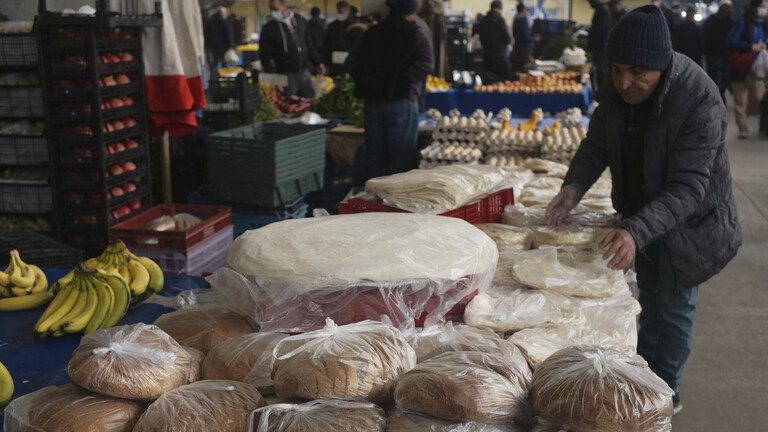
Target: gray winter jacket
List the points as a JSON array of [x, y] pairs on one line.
[[690, 204]]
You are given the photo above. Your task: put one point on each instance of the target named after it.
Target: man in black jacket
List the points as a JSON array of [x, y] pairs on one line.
[[523, 36], [218, 39], [316, 30], [389, 66], [335, 40], [688, 36], [598, 35], [495, 39], [716, 30], [283, 49], [661, 129]]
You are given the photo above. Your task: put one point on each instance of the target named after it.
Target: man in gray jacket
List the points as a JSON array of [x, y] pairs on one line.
[[660, 128]]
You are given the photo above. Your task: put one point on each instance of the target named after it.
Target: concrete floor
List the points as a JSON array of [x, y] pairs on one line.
[[725, 386]]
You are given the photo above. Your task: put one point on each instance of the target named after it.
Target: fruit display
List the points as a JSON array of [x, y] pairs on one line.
[[326, 84], [437, 84], [6, 386], [559, 82], [97, 293], [22, 127], [22, 285], [289, 104], [31, 221]]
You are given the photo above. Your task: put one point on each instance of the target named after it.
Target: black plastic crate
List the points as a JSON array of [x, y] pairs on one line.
[[18, 49], [23, 150], [21, 102], [25, 198], [38, 249], [236, 95]]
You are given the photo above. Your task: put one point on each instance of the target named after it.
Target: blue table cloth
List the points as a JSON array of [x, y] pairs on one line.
[[521, 104], [37, 363]]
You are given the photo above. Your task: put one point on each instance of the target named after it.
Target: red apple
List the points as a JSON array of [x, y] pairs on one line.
[[129, 121], [135, 205], [125, 56], [124, 210], [117, 191], [129, 166], [109, 81], [109, 149], [116, 169], [118, 125], [123, 79], [119, 147], [105, 105], [116, 103], [129, 187], [131, 144], [113, 58], [127, 100]]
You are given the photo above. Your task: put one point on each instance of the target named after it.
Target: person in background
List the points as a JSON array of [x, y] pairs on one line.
[[523, 37], [334, 38], [476, 26], [354, 14], [316, 30], [748, 35], [716, 29], [237, 24], [617, 11], [688, 37], [661, 129], [495, 40], [284, 49], [598, 35], [218, 38], [669, 14], [389, 67]]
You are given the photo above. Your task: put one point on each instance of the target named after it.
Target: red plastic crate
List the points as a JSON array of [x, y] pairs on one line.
[[215, 219], [486, 210]]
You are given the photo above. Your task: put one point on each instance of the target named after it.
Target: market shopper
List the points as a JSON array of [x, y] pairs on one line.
[[495, 39], [749, 35], [598, 35], [688, 37], [661, 129], [523, 37], [335, 38], [716, 30], [283, 49], [218, 38], [390, 66], [316, 30], [617, 11]]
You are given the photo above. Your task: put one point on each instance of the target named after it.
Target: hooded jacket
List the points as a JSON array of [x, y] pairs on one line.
[[688, 191], [284, 51]]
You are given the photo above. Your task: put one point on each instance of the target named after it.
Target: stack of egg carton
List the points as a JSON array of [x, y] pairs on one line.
[[456, 139], [513, 147], [561, 145]]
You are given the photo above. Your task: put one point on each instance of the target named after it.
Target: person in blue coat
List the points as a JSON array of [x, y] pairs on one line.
[[749, 34]]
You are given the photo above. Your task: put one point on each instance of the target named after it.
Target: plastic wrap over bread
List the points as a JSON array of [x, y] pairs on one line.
[[248, 358], [204, 327], [440, 189], [399, 421], [508, 237], [70, 408], [510, 308], [208, 405], [321, 416], [355, 267], [465, 386], [138, 362], [591, 389], [532, 216], [356, 361]]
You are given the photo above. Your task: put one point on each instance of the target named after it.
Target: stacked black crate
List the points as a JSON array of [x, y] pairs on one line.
[[97, 120], [26, 199], [232, 101], [457, 38]]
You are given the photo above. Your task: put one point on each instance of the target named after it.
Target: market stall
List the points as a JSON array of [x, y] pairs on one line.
[[520, 103]]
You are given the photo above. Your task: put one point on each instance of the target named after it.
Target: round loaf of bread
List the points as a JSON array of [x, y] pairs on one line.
[[589, 388], [138, 362], [322, 415], [248, 358], [465, 386], [205, 327], [399, 421], [70, 408], [356, 361], [195, 364], [208, 405]]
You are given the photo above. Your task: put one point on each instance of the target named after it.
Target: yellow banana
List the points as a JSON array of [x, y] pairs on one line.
[[156, 278], [5, 292], [41, 282], [6, 386], [67, 278], [4, 278], [106, 303], [13, 271], [25, 277], [122, 297], [26, 302], [125, 273], [77, 309], [19, 292], [60, 306], [139, 275], [78, 322]]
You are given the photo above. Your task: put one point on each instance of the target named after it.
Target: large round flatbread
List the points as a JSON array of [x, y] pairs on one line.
[[248, 358], [205, 327]]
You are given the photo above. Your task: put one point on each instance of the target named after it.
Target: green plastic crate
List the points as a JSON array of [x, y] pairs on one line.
[[266, 173], [268, 195]]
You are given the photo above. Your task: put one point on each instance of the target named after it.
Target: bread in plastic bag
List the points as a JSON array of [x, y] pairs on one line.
[[248, 358], [399, 421], [507, 237], [536, 197], [546, 167], [465, 386], [195, 364], [532, 216], [321, 416], [205, 327], [69, 408], [208, 405], [440, 189], [510, 308], [137, 361], [355, 267], [591, 389], [355, 361], [545, 183]]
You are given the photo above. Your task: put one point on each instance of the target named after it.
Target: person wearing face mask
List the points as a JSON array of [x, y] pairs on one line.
[[284, 49], [660, 127], [748, 35]]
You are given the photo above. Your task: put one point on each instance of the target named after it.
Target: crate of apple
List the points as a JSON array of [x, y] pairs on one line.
[[113, 80], [117, 102], [118, 169], [123, 189], [119, 124], [125, 210]]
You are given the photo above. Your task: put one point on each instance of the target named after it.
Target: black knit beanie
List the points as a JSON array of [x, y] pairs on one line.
[[641, 38]]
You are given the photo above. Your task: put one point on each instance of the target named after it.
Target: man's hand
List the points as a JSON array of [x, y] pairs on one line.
[[320, 69], [622, 248], [561, 205]]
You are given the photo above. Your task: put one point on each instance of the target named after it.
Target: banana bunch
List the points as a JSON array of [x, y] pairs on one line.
[[88, 300], [6, 386], [22, 285]]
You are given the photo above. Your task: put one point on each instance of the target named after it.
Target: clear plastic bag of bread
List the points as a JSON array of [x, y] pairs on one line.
[[208, 405], [321, 416], [205, 326], [465, 386], [399, 421], [355, 361], [591, 389], [248, 358], [70, 408], [521, 216], [295, 273], [508, 237], [137, 361]]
